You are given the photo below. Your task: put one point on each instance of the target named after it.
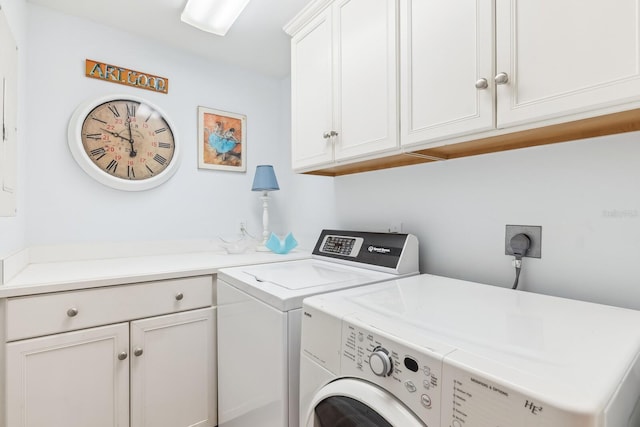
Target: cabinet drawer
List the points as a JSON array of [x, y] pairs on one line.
[[65, 311]]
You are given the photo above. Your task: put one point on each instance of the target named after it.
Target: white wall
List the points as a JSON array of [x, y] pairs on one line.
[[67, 206], [585, 195], [13, 229]]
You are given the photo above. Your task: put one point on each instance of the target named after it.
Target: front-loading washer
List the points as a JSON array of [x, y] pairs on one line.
[[438, 352], [260, 312]]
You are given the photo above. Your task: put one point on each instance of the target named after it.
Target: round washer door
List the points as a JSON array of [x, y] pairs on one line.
[[349, 403]]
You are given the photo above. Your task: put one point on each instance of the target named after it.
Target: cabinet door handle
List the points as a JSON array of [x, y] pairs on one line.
[[138, 352], [333, 133], [72, 312], [179, 296], [482, 83], [326, 135], [122, 355], [501, 78]]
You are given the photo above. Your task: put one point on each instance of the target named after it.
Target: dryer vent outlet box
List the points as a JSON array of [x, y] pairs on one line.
[[533, 232]]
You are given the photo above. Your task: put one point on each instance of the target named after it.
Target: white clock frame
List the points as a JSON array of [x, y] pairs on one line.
[[74, 137]]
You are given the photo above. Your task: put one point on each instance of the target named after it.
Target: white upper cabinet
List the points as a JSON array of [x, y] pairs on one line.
[[446, 69], [311, 93], [344, 82], [474, 76], [365, 90], [552, 61], [565, 57]]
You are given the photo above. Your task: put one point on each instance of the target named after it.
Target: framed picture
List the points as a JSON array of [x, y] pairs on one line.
[[222, 140]]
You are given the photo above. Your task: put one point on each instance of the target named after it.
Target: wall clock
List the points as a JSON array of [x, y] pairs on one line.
[[124, 142]]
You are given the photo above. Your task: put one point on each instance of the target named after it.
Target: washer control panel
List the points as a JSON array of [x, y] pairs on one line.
[[341, 245], [410, 373], [388, 252]]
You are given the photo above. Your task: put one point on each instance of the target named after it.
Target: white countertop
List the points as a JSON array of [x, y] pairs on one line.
[[63, 275]]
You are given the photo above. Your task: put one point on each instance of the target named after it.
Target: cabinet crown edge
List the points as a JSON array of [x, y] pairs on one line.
[[305, 15]]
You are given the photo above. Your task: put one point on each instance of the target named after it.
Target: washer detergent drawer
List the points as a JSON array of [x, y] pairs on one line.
[[348, 401]]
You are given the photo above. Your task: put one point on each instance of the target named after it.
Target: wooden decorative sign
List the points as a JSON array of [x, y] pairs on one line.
[[125, 76]]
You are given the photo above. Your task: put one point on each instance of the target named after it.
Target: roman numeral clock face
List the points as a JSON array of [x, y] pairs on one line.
[[123, 142]]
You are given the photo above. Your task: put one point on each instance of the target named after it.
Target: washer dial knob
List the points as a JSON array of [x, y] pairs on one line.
[[380, 362]]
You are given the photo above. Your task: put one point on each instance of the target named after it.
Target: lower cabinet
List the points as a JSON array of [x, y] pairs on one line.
[[73, 379], [172, 370], [157, 371]]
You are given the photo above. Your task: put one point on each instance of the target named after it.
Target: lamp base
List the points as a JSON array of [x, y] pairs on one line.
[[262, 247]]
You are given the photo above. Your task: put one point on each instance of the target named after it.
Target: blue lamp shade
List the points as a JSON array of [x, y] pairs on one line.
[[265, 179]]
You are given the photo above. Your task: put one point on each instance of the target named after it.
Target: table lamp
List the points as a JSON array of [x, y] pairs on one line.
[[265, 181]]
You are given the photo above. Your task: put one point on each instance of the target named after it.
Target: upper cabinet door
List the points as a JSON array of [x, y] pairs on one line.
[[365, 64], [311, 93], [565, 57], [447, 69]]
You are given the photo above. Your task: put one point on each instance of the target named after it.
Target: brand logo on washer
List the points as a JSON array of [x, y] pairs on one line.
[[379, 250], [535, 409]]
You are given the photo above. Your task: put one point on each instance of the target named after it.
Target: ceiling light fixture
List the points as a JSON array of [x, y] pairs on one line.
[[213, 16]]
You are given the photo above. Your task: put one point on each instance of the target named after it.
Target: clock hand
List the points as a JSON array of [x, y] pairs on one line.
[[132, 152], [116, 134]]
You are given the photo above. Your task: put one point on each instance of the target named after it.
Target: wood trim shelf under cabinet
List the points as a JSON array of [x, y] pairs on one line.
[[609, 124]]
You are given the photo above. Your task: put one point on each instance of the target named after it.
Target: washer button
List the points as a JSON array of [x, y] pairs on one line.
[[456, 423], [427, 370], [426, 384], [426, 401], [410, 386]]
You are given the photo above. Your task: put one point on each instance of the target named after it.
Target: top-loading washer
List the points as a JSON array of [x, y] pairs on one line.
[[259, 317], [438, 352]]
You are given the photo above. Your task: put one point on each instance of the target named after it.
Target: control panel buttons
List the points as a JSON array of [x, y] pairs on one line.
[[405, 371], [380, 362], [410, 386], [341, 245], [425, 400]]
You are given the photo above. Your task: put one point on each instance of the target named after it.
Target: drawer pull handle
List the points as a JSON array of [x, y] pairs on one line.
[[72, 312], [122, 356], [179, 296], [138, 352]]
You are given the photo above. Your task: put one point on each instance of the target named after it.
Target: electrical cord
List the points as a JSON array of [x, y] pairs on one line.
[[517, 263], [520, 244]]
